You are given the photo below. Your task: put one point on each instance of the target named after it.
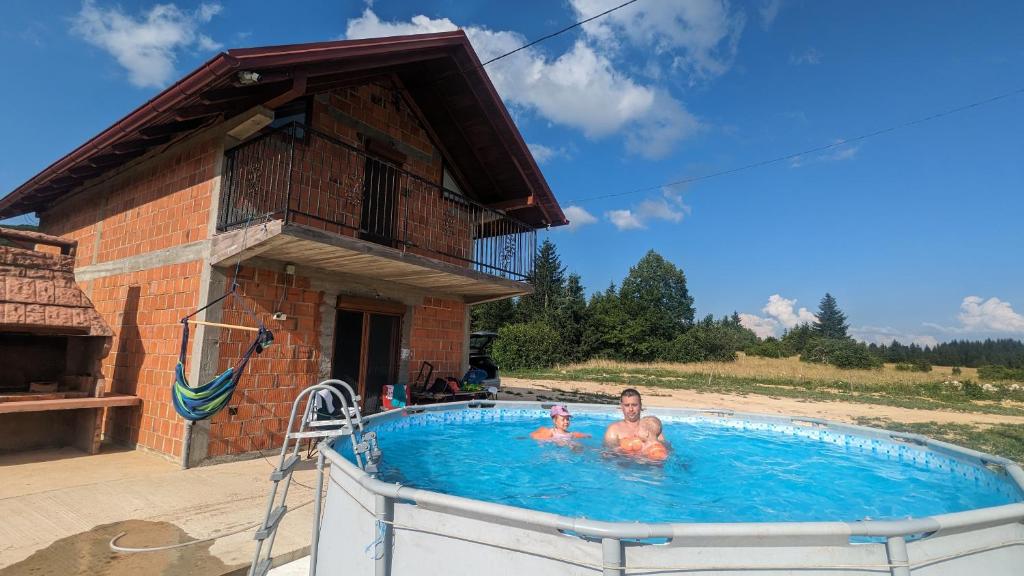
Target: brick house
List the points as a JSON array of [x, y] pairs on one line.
[[362, 193]]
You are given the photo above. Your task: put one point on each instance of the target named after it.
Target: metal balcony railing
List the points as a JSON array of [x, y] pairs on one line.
[[304, 176]]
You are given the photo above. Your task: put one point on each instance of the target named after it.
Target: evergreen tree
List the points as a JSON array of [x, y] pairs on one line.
[[797, 338], [492, 316], [602, 334], [570, 318], [831, 322], [548, 281]]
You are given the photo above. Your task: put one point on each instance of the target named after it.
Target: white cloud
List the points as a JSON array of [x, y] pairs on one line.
[[543, 154], [782, 313], [581, 88], [845, 152], [578, 217], [978, 317], [839, 152], [769, 10], [886, 334], [147, 46], [660, 209], [700, 36], [624, 219], [810, 56], [763, 327], [670, 207], [783, 310], [984, 317], [369, 25], [978, 314]]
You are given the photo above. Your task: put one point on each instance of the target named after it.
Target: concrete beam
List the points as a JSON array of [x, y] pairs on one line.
[[177, 255]]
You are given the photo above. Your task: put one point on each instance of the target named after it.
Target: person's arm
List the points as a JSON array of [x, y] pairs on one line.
[[580, 435], [541, 433]]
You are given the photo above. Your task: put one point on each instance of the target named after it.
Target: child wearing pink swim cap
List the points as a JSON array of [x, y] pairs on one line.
[[560, 418]]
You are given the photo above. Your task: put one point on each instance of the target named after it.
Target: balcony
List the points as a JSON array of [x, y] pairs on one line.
[[301, 196]]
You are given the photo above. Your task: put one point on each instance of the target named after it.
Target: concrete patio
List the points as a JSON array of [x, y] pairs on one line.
[[61, 507]]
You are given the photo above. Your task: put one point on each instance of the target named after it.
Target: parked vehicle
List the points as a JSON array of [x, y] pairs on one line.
[[480, 357]]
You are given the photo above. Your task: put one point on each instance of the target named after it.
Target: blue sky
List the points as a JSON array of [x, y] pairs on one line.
[[916, 232]]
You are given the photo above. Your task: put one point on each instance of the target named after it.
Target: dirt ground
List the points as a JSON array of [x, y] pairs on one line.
[[597, 392]]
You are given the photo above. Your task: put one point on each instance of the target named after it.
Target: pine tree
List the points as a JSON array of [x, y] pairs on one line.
[[602, 335], [570, 318], [548, 281], [831, 322], [493, 315]]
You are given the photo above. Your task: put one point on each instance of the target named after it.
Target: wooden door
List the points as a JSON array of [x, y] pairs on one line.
[[366, 348]]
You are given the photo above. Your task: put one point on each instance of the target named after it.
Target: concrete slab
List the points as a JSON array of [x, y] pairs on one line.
[[60, 508], [298, 567]]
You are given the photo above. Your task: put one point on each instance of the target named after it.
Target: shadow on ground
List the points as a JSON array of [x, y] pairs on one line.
[[89, 553], [556, 395]]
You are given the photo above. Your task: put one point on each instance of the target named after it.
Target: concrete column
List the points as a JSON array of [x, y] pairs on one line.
[[405, 351], [467, 321], [328, 315], [213, 282]]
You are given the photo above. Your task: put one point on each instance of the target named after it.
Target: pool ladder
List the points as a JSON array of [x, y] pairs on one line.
[[364, 448]]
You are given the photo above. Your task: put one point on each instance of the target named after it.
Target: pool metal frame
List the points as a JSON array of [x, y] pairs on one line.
[[617, 538]]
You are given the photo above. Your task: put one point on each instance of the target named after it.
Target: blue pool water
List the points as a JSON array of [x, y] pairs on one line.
[[715, 473]]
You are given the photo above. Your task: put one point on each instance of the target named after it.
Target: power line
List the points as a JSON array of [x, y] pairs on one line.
[[442, 77], [553, 34], [836, 144]]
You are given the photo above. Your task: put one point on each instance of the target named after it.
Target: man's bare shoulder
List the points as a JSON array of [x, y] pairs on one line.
[[616, 426]]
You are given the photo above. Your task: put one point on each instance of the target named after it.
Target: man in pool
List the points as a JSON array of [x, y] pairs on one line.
[[633, 434], [560, 431]]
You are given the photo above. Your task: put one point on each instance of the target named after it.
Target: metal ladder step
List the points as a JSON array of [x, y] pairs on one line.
[[270, 525], [321, 433], [301, 426], [280, 473], [322, 423]]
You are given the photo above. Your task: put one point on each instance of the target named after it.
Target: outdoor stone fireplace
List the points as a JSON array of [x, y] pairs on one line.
[[52, 343]]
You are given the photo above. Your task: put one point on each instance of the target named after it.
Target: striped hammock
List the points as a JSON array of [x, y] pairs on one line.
[[204, 401]]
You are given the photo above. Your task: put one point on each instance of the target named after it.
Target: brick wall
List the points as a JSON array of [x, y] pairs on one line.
[[159, 204], [329, 193], [145, 309], [438, 335], [274, 378], [374, 106]]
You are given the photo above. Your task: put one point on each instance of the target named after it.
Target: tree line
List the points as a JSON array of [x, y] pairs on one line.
[[651, 317], [971, 353]]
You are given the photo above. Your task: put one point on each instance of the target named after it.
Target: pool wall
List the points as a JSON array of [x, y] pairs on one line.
[[369, 526]]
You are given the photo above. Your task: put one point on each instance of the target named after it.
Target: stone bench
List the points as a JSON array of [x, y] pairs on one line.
[[24, 426]]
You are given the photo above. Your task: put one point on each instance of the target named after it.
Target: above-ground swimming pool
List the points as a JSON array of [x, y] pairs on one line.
[[462, 489]]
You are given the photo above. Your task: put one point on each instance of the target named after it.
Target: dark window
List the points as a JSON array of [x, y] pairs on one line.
[[294, 111], [380, 183]]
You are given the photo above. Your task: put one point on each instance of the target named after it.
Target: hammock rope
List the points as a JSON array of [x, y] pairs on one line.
[[198, 403], [201, 402]]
